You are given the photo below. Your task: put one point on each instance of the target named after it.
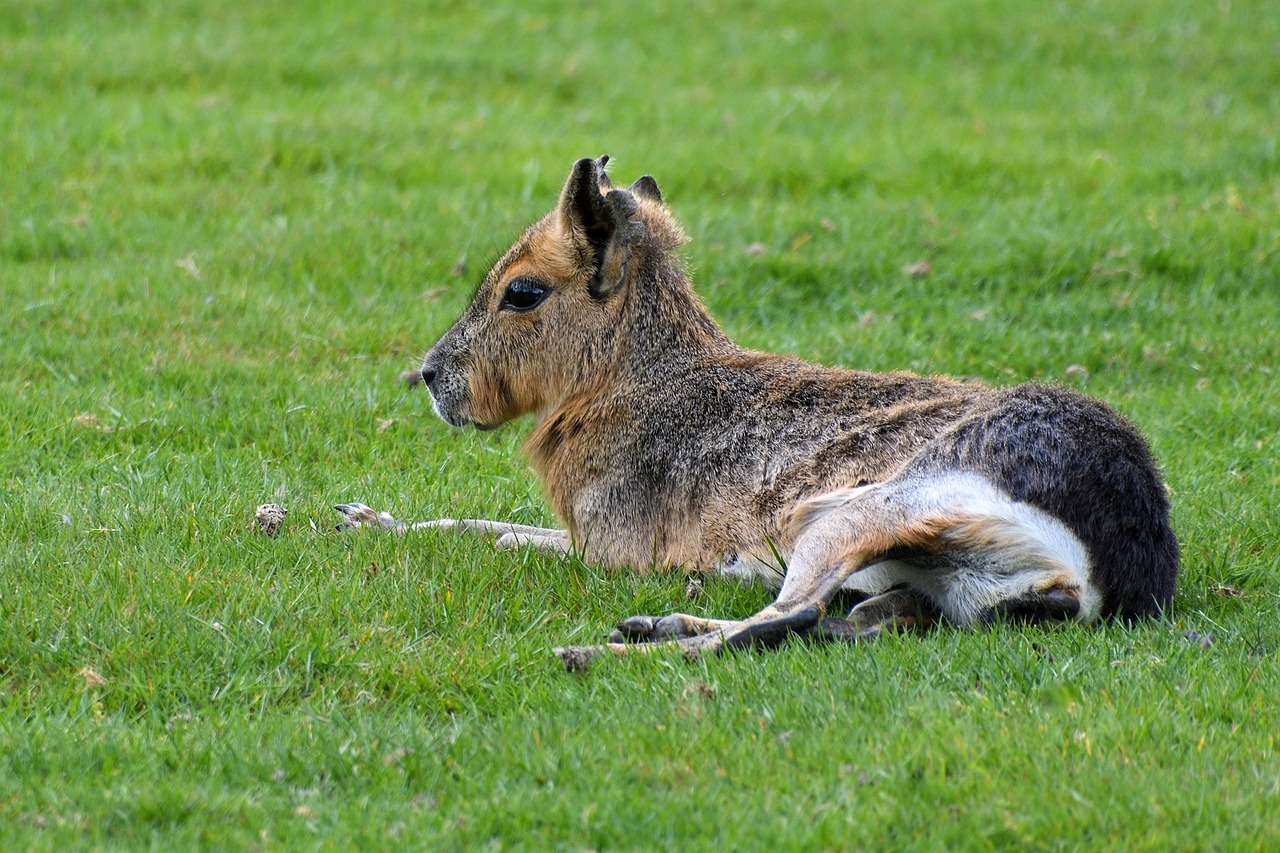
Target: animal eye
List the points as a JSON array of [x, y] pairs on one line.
[[523, 294]]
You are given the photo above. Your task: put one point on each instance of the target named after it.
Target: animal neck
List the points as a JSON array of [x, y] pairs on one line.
[[662, 328], [664, 322], [659, 328]]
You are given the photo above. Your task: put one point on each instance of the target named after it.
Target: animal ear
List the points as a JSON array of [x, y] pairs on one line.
[[605, 183], [646, 187], [582, 213], [597, 219]]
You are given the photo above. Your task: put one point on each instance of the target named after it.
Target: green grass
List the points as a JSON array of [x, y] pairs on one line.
[[226, 227]]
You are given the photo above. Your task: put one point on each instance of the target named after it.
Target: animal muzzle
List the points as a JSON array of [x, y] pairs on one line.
[[448, 393]]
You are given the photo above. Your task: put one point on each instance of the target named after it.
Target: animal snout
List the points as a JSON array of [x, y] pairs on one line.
[[428, 375]]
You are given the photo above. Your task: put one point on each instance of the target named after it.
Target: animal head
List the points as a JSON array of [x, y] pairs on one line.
[[550, 319]]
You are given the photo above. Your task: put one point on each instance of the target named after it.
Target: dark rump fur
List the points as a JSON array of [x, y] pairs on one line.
[[1088, 466]]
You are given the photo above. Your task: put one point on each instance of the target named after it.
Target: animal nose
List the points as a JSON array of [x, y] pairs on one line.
[[428, 375]]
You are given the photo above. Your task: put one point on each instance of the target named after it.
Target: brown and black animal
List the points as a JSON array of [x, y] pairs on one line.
[[661, 442]]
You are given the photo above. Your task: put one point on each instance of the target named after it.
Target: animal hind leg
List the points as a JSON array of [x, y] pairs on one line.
[[655, 629], [861, 531], [681, 626], [897, 609], [1056, 604]]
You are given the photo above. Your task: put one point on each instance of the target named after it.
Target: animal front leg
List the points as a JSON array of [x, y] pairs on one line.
[[546, 540], [509, 535]]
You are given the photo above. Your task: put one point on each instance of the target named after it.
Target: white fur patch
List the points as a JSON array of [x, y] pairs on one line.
[[1020, 549], [1004, 549]]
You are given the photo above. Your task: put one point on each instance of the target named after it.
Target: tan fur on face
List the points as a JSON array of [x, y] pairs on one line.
[[544, 252], [518, 369]]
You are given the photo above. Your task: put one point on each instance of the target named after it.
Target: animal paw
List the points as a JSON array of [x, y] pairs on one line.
[[634, 629], [359, 515], [654, 629]]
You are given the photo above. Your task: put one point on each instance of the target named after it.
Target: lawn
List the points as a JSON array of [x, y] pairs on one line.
[[226, 228]]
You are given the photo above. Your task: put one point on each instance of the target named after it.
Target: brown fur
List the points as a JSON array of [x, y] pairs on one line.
[[662, 442]]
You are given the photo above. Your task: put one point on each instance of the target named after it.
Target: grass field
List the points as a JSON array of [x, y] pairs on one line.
[[225, 228]]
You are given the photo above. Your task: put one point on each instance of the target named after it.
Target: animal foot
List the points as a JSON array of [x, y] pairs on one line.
[[359, 515], [634, 629], [846, 631], [767, 630], [654, 629], [693, 635]]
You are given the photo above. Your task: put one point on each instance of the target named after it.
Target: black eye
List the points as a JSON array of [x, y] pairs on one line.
[[524, 293]]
